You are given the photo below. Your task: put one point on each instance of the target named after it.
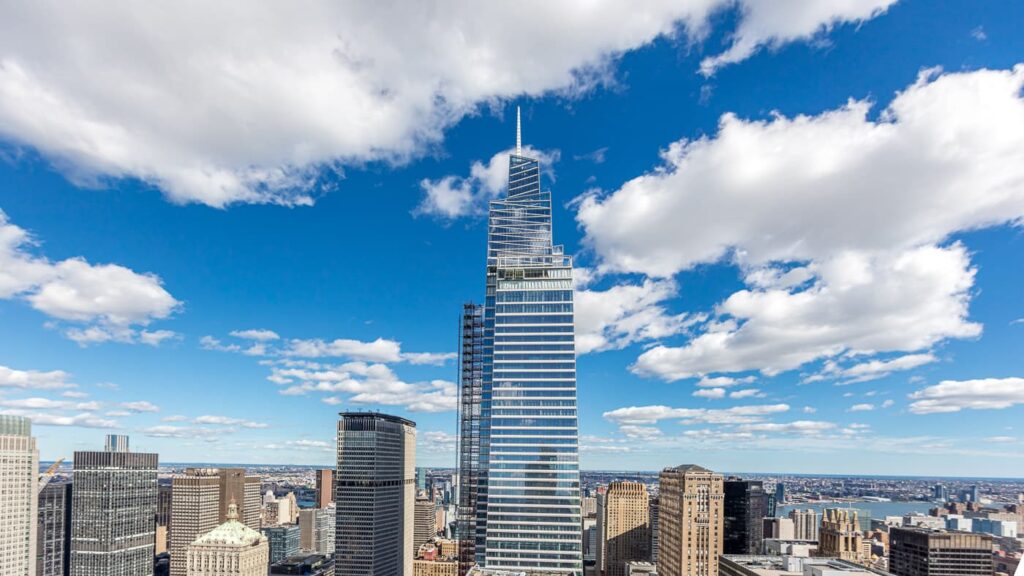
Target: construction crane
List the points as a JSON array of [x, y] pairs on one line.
[[45, 477]]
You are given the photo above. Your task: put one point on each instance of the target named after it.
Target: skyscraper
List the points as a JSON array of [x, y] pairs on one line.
[[528, 504], [195, 509], [690, 521], [471, 342], [324, 488], [655, 544], [316, 527], [923, 552], [624, 518], [780, 494], [805, 524], [425, 526], [113, 519], [54, 525], [244, 491], [19, 469], [374, 495], [745, 507]]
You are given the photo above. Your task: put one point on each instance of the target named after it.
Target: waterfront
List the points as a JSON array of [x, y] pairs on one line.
[[865, 510]]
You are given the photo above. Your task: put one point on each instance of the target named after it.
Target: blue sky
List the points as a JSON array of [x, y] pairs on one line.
[[797, 226]]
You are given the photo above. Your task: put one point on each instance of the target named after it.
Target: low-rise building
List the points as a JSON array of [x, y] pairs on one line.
[[735, 565]]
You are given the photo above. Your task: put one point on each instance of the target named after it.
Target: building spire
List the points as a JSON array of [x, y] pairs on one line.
[[519, 134], [232, 510]]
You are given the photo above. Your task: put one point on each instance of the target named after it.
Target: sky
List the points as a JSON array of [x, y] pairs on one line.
[[796, 225]]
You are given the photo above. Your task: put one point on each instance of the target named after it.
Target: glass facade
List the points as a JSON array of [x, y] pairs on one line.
[[528, 498]]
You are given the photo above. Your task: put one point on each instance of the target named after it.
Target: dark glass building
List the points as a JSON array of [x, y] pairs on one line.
[[471, 342], [308, 565], [53, 537], [745, 507], [283, 541]]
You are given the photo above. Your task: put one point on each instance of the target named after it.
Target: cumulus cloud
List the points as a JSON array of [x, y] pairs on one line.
[[34, 379], [49, 404], [843, 239], [242, 103], [452, 197], [645, 415], [799, 427], [229, 421], [957, 395], [871, 369], [261, 335], [186, 432], [862, 407], [112, 298], [711, 393], [82, 420], [379, 350], [626, 313], [368, 384]]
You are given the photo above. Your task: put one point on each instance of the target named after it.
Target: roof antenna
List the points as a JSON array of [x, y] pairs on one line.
[[519, 134]]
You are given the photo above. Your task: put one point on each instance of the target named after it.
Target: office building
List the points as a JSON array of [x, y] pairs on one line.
[[528, 423], [283, 541], [304, 565], [840, 535], [690, 521], [230, 549], [654, 530], [53, 535], [195, 508], [425, 524], [940, 493], [624, 523], [244, 491], [324, 488], [374, 495], [163, 521], [798, 548], [316, 528], [19, 469], [113, 511], [924, 552], [421, 479], [745, 505], [779, 528], [780, 494], [805, 524], [471, 331]]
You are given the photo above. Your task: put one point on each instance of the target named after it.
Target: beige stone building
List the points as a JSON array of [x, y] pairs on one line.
[[435, 568], [840, 535], [231, 549], [690, 520], [624, 527], [19, 468]]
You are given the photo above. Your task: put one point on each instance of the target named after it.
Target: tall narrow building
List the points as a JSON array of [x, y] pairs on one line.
[[745, 507], [690, 521], [528, 501], [425, 527], [324, 488], [54, 524], [471, 342], [195, 508], [840, 535], [374, 493], [19, 469], [624, 520], [113, 518]]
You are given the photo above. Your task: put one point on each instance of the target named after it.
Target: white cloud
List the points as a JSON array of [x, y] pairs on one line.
[[746, 393], [34, 379], [174, 418], [428, 358], [724, 381], [1002, 439], [432, 441], [642, 415], [229, 421], [980, 394], [74, 394], [843, 236], [186, 432], [798, 427], [871, 369], [140, 406], [625, 314], [111, 297], [367, 384], [862, 407], [887, 404], [809, 409], [711, 393], [238, 102], [641, 432], [83, 420], [379, 350], [49, 404], [774, 23], [261, 335], [453, 197]]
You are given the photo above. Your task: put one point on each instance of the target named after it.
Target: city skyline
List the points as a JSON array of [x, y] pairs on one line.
[[733, 307]]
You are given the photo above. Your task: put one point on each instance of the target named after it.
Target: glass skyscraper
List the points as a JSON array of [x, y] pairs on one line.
[[528, 496]]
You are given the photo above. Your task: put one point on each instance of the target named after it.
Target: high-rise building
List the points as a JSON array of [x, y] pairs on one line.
[[230, 549], [283, 540], [244, 491], [324, 488], [840, 535], [805, 524], [19, 469], [690, 521], [421, 478], [425, 524], [316, 527], [529, 496], [654, 530], [940, 493], [53, 536], [375, 488], [745, 507], [471, 342], [924, 552], [195, 508], [163, 520], [624, 518], [113, 518], [780, 494]]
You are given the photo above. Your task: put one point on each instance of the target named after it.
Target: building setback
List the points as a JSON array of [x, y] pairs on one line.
[[375, 487], [690, 521], [19, 469], [923, 552], [113, 518]]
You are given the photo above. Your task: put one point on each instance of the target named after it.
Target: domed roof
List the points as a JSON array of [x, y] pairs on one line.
[[230, 533]]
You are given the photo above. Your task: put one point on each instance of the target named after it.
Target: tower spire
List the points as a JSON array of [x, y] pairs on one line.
[[519, 134]]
